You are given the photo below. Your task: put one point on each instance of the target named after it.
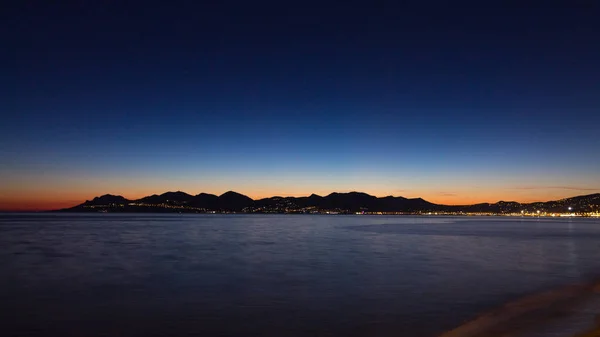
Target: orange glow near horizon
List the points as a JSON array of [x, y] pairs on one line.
[[45, 200], [35, 205], [33, 189]]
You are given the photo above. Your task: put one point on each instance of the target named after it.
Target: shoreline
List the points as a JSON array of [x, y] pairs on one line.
[[439, 215], [592, 333], [572, 309]]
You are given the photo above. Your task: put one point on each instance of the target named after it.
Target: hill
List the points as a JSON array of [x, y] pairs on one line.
[[352, 202]]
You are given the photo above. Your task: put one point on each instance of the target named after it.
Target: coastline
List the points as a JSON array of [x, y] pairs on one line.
[[440, 215], [593, 333], [572, 310]]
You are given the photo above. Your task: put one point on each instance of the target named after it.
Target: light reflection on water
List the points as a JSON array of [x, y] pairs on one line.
[[239, 275]]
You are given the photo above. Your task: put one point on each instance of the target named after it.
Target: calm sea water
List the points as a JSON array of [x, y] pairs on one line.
[[277, 275]]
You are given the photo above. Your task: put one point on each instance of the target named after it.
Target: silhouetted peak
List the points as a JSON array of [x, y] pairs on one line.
[[234, 201], [589, 196], [355, 193], [352, 194], [167, 197], [231, 193], [206, 195], [109, 196], [175, 194], [107, 199]]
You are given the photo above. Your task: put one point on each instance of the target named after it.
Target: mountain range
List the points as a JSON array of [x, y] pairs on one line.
[[351, 202]]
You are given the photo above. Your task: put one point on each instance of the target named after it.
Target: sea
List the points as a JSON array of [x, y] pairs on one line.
[[278, 275]]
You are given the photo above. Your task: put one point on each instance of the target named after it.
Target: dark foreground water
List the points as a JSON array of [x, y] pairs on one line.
[[279, 275]]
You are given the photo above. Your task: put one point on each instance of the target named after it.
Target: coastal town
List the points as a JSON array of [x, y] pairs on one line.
[[353, 203]]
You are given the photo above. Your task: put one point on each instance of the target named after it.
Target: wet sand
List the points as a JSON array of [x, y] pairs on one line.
[[564, 312], [593, 333]]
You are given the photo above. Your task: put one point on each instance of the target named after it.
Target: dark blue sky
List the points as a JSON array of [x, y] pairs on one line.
[[473, 100]]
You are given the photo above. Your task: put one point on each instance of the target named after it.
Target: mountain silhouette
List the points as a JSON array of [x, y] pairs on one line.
[[205, 201], [106, 199], [350, 202], [167, 198], [233, 201]]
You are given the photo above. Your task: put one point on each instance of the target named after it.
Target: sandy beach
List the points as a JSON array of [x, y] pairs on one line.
[[593, 333], [563, 312]]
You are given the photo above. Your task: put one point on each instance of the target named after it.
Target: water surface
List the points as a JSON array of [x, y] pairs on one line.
[[277, 275]]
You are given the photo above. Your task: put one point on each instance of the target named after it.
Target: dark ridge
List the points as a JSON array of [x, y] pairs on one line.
[[107, 199], [349, 202]]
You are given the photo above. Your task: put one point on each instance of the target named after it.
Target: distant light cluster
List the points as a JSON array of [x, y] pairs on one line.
[[284, 206]]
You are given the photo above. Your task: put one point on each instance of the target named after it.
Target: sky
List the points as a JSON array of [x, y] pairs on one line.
[[454, 102]]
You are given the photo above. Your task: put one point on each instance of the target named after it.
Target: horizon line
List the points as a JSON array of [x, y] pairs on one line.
[[57, 205], [352, 191]]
